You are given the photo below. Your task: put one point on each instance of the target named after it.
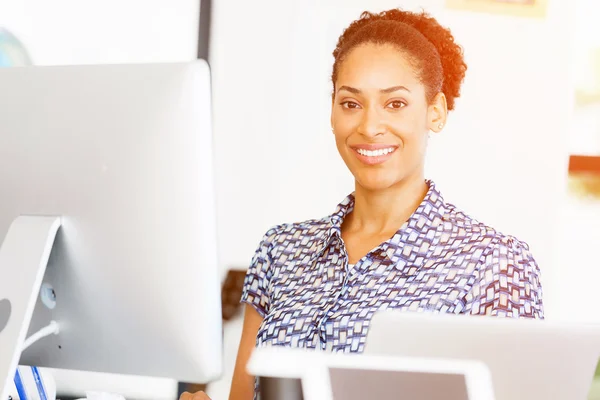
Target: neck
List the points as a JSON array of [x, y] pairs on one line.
[[384, 211]]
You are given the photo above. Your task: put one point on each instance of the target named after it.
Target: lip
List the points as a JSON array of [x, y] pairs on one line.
[[375, 160]]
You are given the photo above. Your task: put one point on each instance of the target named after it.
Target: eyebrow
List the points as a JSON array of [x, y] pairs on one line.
[[388, 90]]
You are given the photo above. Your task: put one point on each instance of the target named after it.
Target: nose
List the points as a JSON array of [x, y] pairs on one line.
[[372, 123]]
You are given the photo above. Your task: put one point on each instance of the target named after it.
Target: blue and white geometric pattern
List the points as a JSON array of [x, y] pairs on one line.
[[439, 261]]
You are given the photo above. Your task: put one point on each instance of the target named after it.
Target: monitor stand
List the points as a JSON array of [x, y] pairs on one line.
[[23, 259]]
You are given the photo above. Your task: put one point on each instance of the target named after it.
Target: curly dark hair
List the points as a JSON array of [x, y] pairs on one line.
[[430, 47]]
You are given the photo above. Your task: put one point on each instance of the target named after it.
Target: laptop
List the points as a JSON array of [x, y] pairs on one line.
[[528, 359], [299, 374]]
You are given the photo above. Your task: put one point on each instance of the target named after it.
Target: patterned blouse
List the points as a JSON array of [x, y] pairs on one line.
[[439, 261]]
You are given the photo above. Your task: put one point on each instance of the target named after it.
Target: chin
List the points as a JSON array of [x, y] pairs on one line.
[[376, 182]]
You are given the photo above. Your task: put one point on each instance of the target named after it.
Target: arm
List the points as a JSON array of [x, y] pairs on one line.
[[242, 385], [255, 295], [507, 283]]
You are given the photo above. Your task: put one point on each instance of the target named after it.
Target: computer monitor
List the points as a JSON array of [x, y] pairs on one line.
[[528, 359], [120, 157]]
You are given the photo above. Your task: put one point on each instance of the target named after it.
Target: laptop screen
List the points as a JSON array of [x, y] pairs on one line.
[[359, 384]]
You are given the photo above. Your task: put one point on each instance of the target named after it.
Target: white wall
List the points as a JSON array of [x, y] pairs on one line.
[[580, 266], [104, 31], [586, 130], [580, 218]]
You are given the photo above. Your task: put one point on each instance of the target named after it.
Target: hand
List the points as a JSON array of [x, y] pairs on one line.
[[194, 396]]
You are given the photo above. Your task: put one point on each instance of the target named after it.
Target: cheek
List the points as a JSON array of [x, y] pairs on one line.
[[343, 128], [412, 129], [415, 144], [340, 141], [344, 123]]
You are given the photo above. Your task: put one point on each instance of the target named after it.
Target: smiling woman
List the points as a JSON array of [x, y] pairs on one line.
[[394, 243]]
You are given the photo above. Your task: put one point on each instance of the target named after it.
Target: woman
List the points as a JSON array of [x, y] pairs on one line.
[[393, 243]]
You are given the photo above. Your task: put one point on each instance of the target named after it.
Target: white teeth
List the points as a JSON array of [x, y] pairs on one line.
[[375, 153]]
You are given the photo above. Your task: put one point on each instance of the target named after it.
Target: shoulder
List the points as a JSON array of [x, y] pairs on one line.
[[493, 245], [459, 220], [506, 278], [507, 251], [303, 232], [498, 250], [509, 280], [456, 219]]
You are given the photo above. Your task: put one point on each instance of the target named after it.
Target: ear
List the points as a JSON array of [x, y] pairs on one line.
[[331, 113], [437, 113]]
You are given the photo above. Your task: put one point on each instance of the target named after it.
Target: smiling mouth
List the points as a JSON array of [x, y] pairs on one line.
[[375, 153], [374, 156]]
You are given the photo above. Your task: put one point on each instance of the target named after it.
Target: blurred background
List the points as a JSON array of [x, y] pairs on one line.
[[521, 152]]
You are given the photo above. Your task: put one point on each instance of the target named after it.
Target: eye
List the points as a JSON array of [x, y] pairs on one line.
[[350, 105], [397, 104]]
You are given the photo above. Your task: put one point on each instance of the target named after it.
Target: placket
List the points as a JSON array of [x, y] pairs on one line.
[[335, 301]]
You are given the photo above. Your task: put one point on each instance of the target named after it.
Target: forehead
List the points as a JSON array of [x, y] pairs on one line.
[[375, 66]]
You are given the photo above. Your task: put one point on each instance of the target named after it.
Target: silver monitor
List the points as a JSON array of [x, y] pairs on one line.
[[121, 157]]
